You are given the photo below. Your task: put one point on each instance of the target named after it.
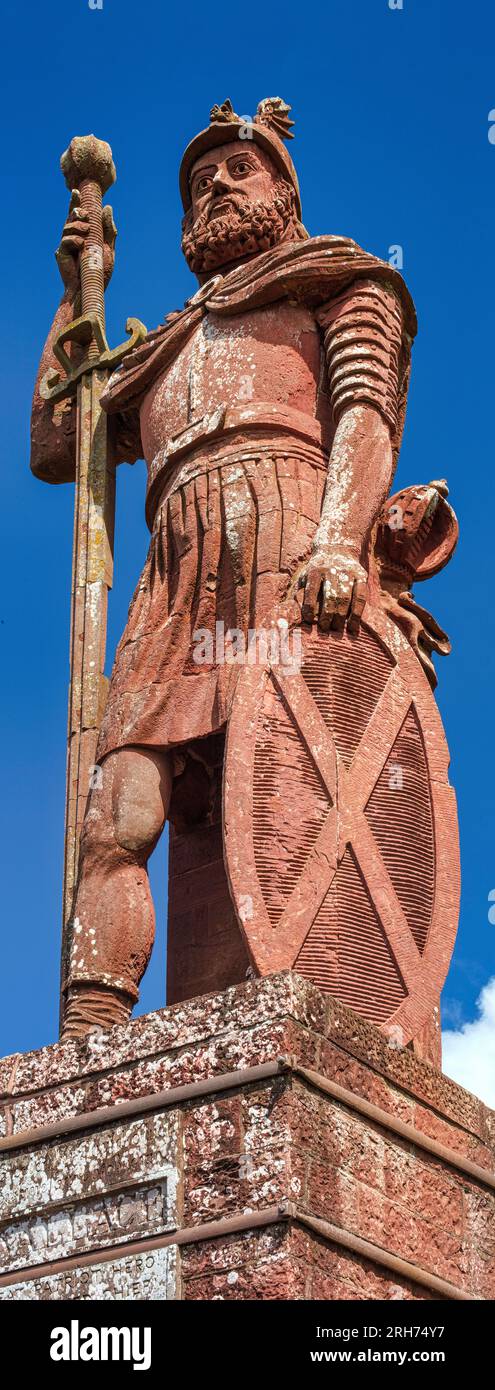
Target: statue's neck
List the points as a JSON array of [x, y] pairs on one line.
[[227, 266]]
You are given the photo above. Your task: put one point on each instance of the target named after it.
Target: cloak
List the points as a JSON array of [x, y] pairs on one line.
[[307, 272]]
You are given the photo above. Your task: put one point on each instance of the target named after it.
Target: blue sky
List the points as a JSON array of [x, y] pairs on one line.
[[392, 147]]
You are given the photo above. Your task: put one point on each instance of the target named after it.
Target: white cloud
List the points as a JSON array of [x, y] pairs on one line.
[[468, 1052]]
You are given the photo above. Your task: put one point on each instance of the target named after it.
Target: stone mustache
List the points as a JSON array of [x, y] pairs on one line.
[[270, 412]]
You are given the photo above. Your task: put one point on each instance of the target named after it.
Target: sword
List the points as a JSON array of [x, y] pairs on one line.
[[88, 166]]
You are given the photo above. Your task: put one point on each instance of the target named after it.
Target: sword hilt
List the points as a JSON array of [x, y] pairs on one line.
[[88, 166]]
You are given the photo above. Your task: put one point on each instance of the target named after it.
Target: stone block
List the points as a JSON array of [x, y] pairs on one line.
[[237, 1147]]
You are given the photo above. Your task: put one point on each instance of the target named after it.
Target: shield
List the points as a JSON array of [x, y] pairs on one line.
[[340, 826]]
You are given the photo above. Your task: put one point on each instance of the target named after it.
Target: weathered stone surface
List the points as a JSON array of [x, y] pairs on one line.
[[357, 874], [80, 1167], [77, 1194], [205, 946], [132, 1278], [236, 1028], [110, 1220], [222, 1155], [255, 1267], [270, 413]]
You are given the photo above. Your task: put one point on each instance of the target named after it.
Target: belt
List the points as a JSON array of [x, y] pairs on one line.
[[225, 421]]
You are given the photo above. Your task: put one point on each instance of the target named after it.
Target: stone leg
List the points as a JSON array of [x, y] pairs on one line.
[[114, 919]]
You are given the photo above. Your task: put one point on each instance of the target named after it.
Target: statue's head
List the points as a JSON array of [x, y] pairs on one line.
[[239, 188]]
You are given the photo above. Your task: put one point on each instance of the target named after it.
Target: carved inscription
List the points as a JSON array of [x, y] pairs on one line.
[[89, 1192], [134, 1277]]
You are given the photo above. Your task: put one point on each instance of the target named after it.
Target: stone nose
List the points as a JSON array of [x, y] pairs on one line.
[[222, 182]]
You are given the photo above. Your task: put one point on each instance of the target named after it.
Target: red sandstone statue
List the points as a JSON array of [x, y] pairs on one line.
[[270, 412]]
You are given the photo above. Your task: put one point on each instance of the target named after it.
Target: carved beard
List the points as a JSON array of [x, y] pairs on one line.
[[243, 230]]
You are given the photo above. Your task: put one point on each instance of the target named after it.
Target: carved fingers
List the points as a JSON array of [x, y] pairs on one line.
[[109, 228], [109, 237], [358, 601], [334, 590], [74, 238], [311, 579]]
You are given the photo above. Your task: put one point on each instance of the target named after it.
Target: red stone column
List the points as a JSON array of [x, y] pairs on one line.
[[205, 947]]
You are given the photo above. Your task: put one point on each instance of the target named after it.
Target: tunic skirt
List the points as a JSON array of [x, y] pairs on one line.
[[233, 526]]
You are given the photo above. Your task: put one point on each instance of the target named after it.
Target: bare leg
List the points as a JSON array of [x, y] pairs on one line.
[[114, 919]]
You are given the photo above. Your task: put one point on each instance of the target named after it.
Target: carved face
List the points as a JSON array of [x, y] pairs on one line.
[[240, 205]]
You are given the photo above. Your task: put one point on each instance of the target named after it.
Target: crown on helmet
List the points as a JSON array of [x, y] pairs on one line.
[[270, 127]]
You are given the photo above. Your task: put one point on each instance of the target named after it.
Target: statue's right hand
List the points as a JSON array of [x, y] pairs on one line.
[[73, 237]]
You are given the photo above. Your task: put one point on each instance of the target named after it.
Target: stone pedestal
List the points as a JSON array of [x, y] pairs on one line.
[[261, 1143]]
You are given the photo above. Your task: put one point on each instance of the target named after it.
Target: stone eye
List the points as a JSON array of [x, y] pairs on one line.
[[203, 184]]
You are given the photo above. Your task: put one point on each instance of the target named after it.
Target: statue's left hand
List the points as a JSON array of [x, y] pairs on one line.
[[335, 588]]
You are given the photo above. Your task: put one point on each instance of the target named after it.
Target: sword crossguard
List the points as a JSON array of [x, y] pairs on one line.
[[86, 331]]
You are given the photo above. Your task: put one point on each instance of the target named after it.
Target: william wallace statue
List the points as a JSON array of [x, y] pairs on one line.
[[270, 411]]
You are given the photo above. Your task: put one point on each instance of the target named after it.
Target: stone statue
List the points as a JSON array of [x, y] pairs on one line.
[[269, 412]]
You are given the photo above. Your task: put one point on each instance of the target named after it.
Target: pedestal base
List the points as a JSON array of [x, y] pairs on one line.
[[261, 1143]]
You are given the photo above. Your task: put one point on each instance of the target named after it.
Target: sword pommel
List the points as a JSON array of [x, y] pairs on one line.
[[88, 158]]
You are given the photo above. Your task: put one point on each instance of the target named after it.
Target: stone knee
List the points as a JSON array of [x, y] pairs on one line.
[[140, 796], [127, 810]]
